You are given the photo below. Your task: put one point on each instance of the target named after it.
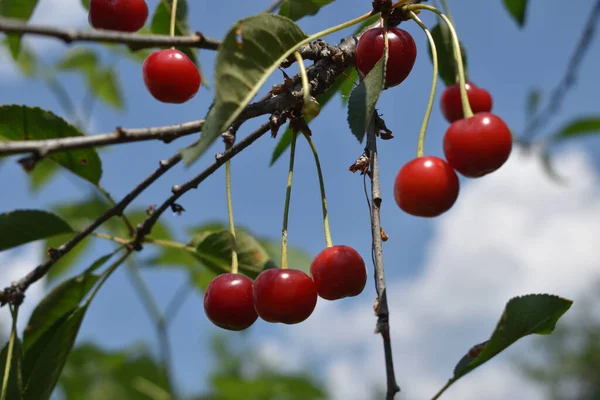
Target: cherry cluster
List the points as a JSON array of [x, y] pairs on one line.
[[169, 75], [476, 143], [233, 301]]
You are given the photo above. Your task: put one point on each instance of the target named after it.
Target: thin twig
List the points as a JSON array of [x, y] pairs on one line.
[[42, 148], [381, 305], [134, 40]]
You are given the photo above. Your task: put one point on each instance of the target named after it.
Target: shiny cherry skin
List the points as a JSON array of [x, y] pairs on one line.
[[118, 15], [402, 53], [338, 272], [288, 296], [228, 302], [426, 187], [170, 76], [451, 104], [478, 145]]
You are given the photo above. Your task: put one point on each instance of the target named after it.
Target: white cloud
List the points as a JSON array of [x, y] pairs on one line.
[[14, 264], [511, 233]]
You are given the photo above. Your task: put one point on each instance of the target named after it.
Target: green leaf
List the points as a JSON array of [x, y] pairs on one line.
[[348, 84], [104, 83], [534, 98], [161, 23], [369, 21], [14, 388], [23, 226], [85, 4], [296, 9], [579, 127], [517, 9], [447, 64], [363, 99], [17, 9], [69, 260], [42, 174], [523, 316], [79, 59], [27, 62], [33, 123], [60, 301], [213, 250], [253, 48], [50, 360], [297, 257], [284, 142]]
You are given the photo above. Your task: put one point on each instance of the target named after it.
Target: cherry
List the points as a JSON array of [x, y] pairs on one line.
[[170, 76], [426, 187], [284, 295], [338, 272], [478, 145], [479, 99], [118, 15], [402, 53], [228, 302]]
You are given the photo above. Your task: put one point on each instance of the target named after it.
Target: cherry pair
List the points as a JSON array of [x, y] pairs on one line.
[[289, 296]]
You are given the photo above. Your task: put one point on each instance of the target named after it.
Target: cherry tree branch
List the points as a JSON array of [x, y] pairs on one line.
[[42, 148], [381, 304], [135, 41]]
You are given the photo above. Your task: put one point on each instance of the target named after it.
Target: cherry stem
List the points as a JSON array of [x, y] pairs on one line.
[[447, 11], [173, 18], [234, 255], [468, 112], [328, 241], [434, 57], [286, 209], [9, 352], [304, 76]]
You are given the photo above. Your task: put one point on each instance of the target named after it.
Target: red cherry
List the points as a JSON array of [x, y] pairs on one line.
[[479, 99], [338, 272], [426, 187], [228, 302], [478, 145], [170, 76], [118, 15], [284, 295], [402, 53]]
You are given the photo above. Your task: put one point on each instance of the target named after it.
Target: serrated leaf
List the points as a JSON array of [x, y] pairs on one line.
[[24, 226], [296, 9], [523, 316], [534, 96], [14, 387], [32, 123], [17, 9], [104, 83], [579, 127], [49, 363], [363, 99], [78, 59], [446, 61], [253, 48], [213, 250], [517, 9]]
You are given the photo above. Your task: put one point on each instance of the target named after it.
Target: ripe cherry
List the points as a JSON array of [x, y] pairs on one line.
[[402, 53], [228, 302], [170, 76], [338, 272], [426, 187], [284, 295], [478, 145], [118, 15], [451, 104]]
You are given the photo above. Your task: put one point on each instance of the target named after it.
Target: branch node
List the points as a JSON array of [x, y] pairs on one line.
[[175, 189]]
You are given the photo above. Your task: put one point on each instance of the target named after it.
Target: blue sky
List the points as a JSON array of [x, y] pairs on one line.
[[503, 59]]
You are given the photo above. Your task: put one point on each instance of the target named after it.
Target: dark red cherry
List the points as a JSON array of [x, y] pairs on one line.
[[284, 295], [228, 302], [478, 145], [426, 187], [338, 272], [170, 76], [402, 53], [451, 104], [118, 15]]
